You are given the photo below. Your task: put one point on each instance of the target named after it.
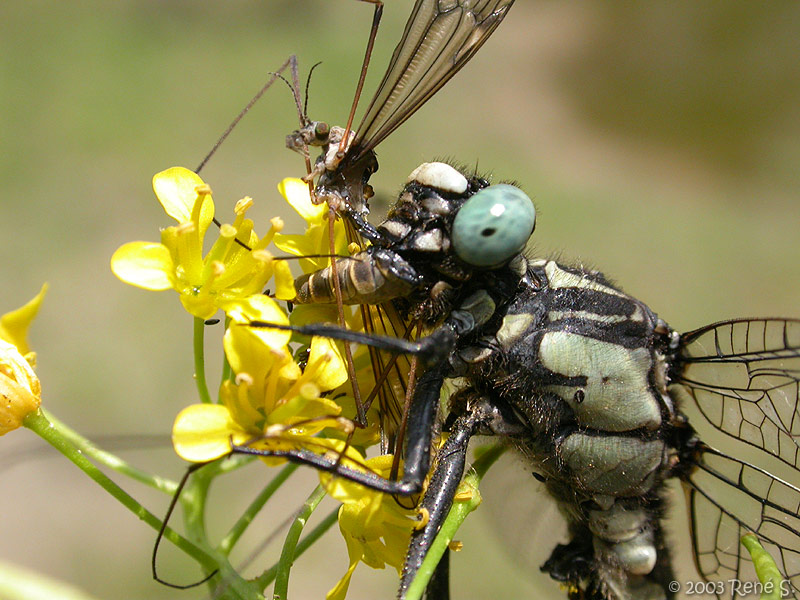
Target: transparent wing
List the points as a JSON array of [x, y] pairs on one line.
[[728, 498], [439, 38], [390, 371], [744, 376]]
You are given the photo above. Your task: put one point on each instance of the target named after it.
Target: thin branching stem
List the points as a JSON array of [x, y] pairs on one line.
[[281, 589], [38, 423], [112, 461], [269, 575], [229, 541]]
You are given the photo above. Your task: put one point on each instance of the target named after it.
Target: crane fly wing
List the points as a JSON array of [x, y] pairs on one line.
[[390, 371], [744, 376], [756, 502], [440, 37]]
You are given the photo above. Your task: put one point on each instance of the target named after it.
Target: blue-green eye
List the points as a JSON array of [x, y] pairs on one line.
[[493, 225]]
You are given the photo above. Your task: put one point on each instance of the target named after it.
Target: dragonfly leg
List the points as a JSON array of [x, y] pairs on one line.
[[438, 499]]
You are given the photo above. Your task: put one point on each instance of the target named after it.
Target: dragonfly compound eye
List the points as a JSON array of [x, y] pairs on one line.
[[493, 225]]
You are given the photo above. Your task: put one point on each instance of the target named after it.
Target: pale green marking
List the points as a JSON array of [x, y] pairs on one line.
[[559, 278], [614, 465], [616, 395], [557, 315], [512, 328]]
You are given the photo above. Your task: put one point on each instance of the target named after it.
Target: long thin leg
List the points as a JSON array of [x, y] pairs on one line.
[[373, 32], [291, 62], [433, 348]]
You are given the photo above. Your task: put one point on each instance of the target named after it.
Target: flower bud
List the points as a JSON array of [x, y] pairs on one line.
[[20, 391]]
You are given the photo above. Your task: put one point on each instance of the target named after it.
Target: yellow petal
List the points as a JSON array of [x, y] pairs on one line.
[[202, 307], [257, 308], [354, 553], [372, 554], [326, 364], [297, 244], [284, 281], [202, 432], [176, 189], [308, 244], [296, 193], [144, 264], [395, 545], [302, 409], [14, 325], [306, 314]]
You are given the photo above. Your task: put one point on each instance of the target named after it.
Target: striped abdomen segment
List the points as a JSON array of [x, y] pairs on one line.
[[369, 277]]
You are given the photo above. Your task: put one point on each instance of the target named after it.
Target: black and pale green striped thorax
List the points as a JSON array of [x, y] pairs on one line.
[[570, 349]]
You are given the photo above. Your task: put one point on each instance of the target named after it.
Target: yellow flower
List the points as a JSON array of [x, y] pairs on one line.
[[376, 529], [316, 239], [231, 269], [272, 401], [20, 390]]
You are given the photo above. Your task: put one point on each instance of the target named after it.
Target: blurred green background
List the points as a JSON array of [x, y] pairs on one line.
[[660, 142]]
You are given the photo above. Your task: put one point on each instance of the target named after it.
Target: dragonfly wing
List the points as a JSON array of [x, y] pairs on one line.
[[744, 376], [727, 498]]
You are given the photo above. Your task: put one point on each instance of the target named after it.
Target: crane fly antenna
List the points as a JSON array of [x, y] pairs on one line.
[[293, 87], [295, 94], [308, 85]]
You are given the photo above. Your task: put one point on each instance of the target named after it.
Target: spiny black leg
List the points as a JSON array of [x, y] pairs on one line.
[[419, 429], [572, 563], [439, 495], [433, 347]]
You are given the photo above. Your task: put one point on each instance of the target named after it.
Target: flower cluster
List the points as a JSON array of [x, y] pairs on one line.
[[284, 393], [237, 265]]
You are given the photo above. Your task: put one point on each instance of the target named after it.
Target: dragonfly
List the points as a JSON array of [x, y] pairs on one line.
[[585, 381]]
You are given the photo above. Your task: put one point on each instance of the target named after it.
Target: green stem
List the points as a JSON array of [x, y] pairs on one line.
[[269, 575], [229, 541], [193, 500], [281, 588], [39, 424], [199, 360], [766, 569], [227, 371], [486, 457], [110, 460]]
